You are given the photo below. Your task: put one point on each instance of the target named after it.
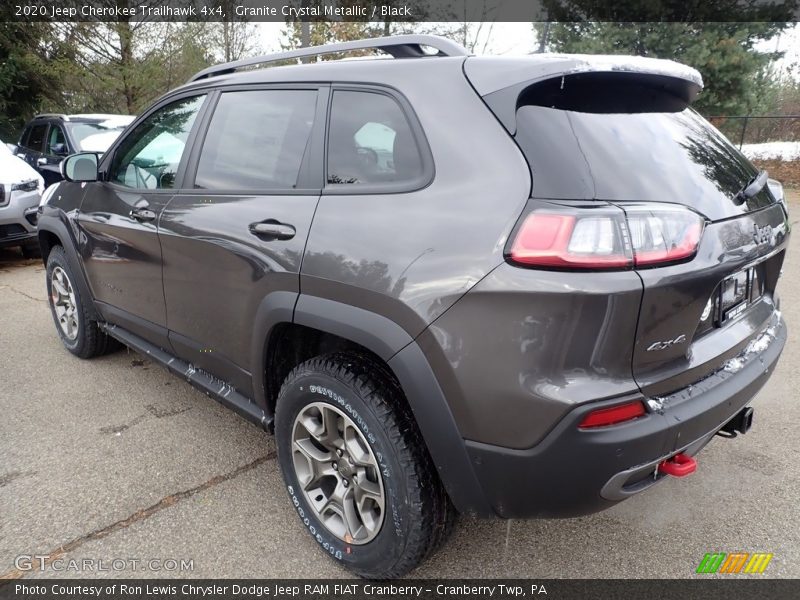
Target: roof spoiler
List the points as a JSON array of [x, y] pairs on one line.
[[502, 83]]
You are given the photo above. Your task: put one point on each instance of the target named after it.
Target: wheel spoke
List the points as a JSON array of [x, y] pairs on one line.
[[356, 447], [62, 291], [352, 516], [330, 421], [317, 463]]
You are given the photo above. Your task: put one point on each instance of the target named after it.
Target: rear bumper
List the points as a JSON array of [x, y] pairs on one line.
[[573, 472]]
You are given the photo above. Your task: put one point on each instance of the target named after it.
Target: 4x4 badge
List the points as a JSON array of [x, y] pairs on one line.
[[666, 343], [762, 235]]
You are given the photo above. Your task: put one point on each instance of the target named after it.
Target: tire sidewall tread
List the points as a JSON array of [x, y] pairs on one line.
[[414, 517], [90, 341]]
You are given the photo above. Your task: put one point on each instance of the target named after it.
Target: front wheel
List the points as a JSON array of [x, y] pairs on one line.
[[78, 332], [356, 468]]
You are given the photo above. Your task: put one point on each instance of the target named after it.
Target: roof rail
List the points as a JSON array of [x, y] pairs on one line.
[[399, 46], [50, 115]]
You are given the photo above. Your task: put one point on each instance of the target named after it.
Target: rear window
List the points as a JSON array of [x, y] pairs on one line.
[[620, 143]]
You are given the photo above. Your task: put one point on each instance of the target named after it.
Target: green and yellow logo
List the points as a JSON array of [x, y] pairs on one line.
[[736, 562]]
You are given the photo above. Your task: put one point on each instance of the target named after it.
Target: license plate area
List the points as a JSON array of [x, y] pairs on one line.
[[739, 291]]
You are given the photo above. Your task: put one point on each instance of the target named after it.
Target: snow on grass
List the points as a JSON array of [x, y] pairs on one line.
[[787, 151]]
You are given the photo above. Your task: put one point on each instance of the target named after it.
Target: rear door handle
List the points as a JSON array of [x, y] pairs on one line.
[[143, 214], [273, 229]]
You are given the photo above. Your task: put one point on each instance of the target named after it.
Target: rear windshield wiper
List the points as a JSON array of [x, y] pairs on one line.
[[755, 185]]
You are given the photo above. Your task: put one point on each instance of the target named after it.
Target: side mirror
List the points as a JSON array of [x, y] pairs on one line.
[[80, 167], [59, 149]]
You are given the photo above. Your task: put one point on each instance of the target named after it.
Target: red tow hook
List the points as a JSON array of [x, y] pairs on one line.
[[679, 465]]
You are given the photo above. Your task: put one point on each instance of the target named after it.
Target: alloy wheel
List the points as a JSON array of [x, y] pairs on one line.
[[338, 473], [62, 297]]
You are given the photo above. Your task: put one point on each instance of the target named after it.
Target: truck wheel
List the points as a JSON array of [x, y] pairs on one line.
[[79, 334], [356, 468]]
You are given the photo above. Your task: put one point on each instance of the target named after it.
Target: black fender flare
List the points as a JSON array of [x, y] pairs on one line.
[[407, 361], [57, 225], [275, 308]]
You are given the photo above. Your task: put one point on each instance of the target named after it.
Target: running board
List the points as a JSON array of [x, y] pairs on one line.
[[211, 386]]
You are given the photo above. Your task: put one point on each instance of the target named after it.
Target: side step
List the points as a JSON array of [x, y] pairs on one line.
[[205, 382]]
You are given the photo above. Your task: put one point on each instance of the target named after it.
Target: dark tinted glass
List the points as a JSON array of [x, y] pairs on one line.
[[370, 141], [55, 138], [36, 137], [149, 156], [257, 140], [662, 156]]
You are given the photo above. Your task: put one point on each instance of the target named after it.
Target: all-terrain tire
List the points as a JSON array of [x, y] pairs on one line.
[[89, 340], [418, 515]]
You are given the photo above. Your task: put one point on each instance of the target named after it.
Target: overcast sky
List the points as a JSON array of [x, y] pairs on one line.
[[519, 38]]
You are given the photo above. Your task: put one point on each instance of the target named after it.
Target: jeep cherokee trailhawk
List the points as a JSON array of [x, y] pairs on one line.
[[514, 287]]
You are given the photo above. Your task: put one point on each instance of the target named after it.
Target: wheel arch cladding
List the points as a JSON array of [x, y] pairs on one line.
[[53, 232], [328, 326]]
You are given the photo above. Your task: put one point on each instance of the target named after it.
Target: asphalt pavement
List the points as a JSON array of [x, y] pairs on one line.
[[116, 459]]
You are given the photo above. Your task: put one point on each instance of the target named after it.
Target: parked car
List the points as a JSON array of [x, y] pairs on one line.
[[20, 191], [48, 138], [504, 287]]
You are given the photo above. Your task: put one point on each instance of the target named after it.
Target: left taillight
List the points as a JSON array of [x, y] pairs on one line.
[[607, 236]]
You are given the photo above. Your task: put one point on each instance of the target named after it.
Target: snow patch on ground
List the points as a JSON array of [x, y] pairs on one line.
[[786, 151]]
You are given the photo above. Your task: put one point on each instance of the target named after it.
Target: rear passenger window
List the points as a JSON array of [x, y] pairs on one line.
[[370, 141], [36, 138], [257, 140]]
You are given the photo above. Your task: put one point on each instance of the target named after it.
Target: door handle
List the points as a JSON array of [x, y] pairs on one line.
[[142, 214], [273, 229], [41, 161]]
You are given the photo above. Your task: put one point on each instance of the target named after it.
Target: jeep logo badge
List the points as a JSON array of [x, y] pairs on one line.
[[762, 235]]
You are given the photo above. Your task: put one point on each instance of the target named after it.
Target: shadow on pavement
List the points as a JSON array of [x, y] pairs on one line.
[[12, 258]]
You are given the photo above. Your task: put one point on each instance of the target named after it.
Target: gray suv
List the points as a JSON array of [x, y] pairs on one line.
[[503, 287]]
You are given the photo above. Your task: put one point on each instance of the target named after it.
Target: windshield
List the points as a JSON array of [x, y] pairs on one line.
[[95, 137]]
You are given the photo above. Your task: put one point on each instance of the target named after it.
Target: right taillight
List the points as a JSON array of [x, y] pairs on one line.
[[607, 237], [663, 234]]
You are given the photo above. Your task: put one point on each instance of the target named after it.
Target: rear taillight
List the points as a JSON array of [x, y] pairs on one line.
[[607, 237], [564, 240], [662, 235], [602, 417]]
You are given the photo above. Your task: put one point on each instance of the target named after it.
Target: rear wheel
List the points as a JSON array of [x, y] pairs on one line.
[[78, 332], [356, 467]]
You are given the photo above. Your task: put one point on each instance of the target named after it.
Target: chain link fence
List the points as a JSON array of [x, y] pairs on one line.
[[759, 129], [772, 142]]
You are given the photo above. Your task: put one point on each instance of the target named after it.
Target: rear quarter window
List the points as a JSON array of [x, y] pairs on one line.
[[372, 143]]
